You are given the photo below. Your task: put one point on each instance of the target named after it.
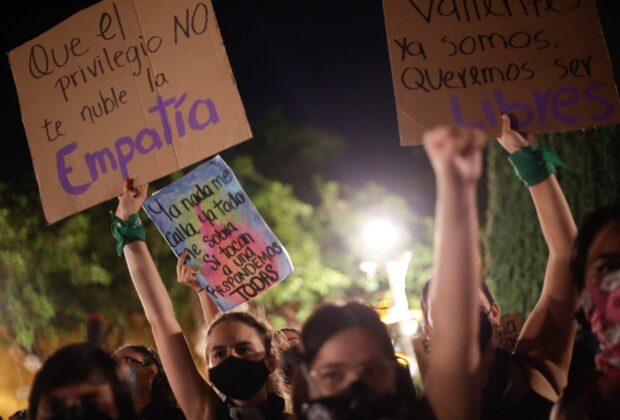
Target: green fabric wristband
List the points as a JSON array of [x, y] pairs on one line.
[[533, 164], [127, 231]]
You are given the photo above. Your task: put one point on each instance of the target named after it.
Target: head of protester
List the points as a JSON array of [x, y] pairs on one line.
[[349, 369], [288, 342], [243, 363], [596, 269], [80, 381], [150, 390], [596, 272]]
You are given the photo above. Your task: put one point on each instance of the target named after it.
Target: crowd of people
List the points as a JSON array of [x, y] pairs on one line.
[[342, 364]]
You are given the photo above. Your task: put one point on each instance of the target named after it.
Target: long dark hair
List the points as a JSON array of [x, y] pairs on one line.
[[591, 225], [329, 320], [78, 363], [160, 388], [275, 384]]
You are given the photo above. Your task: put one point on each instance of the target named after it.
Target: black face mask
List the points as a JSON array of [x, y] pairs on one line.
[[288, 360], [83, 411], [239, 379], [486, 331], [359, 401]]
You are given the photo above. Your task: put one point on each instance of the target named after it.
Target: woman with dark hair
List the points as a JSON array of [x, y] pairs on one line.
[[241, 358], [80, 381], [328, 336], [147, 380], [596, 273], [348, 367]]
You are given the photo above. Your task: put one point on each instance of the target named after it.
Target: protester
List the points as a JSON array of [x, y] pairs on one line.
[[292, 337], [242, 361], [524, 385], [349, 369], [150, 390], [81, 382], [596, 273], [284, 339]]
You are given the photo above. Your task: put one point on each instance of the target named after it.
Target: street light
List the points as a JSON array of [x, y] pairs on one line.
[[382, 237]]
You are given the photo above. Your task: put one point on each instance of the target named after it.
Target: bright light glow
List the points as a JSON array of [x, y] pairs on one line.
[[368, 267], [409, 327], [380, 235]]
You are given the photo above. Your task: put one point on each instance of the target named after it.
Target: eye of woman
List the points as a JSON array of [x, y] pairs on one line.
[[218, 354], [331, 375], [605, 266], [244, 349]]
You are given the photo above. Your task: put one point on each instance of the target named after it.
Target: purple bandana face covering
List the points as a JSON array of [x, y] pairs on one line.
[[601, 302]]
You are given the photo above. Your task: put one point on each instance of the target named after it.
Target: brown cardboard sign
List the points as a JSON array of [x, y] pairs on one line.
[[506, 335], [466, 62], [124, 89]]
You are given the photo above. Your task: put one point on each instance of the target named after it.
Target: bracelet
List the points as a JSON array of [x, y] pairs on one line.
[[533, 164], [127, 231]]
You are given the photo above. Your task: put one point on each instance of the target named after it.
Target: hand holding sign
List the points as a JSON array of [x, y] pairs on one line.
[[187, 274], [512, 140], [130, 201]]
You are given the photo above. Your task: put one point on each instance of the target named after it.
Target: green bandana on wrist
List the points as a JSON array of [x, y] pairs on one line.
[[533, 164], [127, 231]]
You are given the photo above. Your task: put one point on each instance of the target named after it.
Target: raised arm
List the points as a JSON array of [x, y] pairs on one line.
[[186, 274], [547, 337], [195, 396], [452, 385]]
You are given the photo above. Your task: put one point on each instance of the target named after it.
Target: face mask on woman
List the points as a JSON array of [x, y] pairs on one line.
[[601, 304], [239, 379], [358, 401]]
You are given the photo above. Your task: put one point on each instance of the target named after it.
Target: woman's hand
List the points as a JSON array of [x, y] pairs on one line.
[[455, 153], [511, 140], [186, 274], [130, 201]]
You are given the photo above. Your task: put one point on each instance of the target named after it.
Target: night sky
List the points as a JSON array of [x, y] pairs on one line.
[[324, 63]]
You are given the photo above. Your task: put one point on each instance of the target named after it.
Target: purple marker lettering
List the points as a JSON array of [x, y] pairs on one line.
[[457, 116], [153, 134], [124, 158], [542, 102], [213, 117], [63, 171], [608, 106], [160, 107], [99, 157], [564, 97]]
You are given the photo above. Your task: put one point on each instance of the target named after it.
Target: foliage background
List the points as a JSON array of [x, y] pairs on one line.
[[515, 251]]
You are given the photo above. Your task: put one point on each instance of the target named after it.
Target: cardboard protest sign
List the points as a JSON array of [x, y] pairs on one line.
[[507, 333], [465, 62], [208, 213], [122, 89]]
